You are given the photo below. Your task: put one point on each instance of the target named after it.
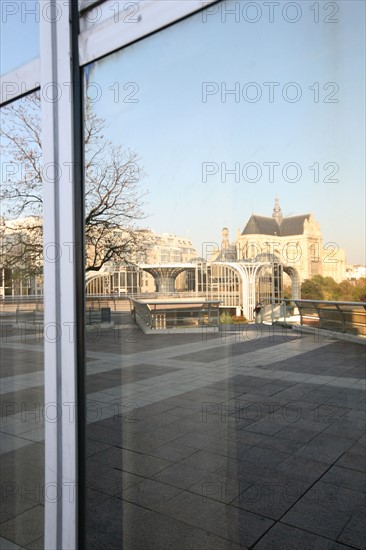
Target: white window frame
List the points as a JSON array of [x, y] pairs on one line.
[[23, 80], [116, 28]]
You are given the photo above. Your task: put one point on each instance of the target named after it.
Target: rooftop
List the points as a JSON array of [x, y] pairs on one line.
[[263, 225], [277, 225], [245, 439]]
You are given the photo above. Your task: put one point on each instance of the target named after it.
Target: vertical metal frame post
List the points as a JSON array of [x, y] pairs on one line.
[[60, 301], [61, 102]]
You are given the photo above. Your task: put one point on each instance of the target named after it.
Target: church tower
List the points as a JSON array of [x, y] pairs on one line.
[[277, 212], [225, 243]]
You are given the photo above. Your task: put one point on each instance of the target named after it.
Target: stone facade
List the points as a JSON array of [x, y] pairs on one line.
[[296, 240]]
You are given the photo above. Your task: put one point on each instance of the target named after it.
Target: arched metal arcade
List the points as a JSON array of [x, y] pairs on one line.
[[239, 286]]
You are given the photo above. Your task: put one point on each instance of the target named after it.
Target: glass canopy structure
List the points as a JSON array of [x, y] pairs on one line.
[[239, 286]]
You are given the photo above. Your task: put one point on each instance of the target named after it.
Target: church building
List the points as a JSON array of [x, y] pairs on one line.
[[296, 240]]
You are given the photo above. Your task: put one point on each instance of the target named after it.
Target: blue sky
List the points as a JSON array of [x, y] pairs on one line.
[[19, 32], [174, 132]]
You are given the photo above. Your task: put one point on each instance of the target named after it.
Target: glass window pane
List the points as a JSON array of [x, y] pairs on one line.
[[21, 320], [20, 32], [218, 152]]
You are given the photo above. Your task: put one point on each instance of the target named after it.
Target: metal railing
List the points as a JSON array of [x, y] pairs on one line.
[[12, 303], [160, 315], [343, 317]]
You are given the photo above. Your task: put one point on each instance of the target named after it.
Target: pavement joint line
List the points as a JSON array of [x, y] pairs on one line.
[[132, 359], [235, 366], [149, 401]]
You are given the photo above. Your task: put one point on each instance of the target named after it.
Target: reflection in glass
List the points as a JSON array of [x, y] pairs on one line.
[[21, 315], [221, 114], [20, 32]]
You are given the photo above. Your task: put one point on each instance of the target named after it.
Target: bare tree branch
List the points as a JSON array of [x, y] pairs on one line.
[[113, 194]]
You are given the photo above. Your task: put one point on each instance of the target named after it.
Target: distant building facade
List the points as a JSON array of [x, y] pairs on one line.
[[127, 278], [354, 272], [296, 240], [21, 240]]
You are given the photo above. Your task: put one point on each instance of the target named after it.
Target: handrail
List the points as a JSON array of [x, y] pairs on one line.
[[337, 316]]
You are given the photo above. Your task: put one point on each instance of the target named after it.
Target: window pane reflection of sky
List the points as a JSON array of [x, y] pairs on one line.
[[20, 32], [153, 98]]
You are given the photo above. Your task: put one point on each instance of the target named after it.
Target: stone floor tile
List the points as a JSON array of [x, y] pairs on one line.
[[325, 510], [354, 533], [25, 527], [286, 537], [180, 476]]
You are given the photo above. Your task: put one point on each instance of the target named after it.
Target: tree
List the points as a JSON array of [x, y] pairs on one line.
[[346, 291], [325, 288], [311, 289], [113, 196], [320, 288], [21, 242], [359, 290], [330, 289], [21, 190], [287, 292]]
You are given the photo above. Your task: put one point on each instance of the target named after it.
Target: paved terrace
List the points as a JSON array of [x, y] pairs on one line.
[[206, 441]]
